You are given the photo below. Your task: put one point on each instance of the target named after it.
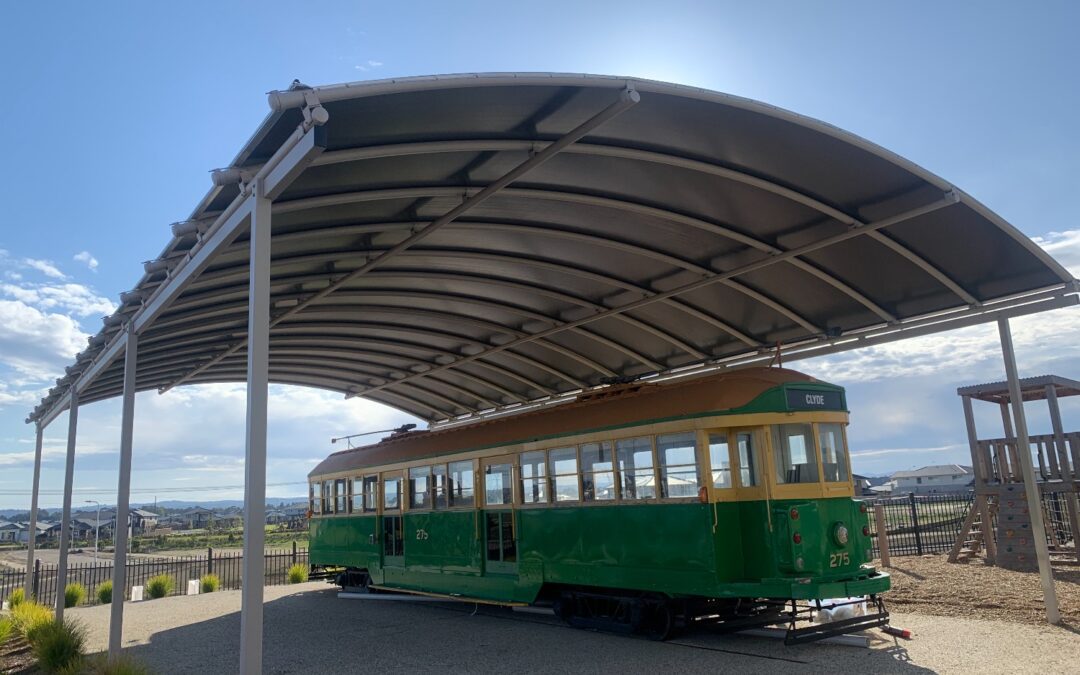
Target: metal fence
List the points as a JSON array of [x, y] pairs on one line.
[[920, 524], [228, 567]]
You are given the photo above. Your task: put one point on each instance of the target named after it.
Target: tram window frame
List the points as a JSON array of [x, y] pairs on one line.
[[631, 486], [356, 494], [842, 474], [315, 498], [678, 468], [341, 495], [424, 495], [588, 462], [328, 497], [461, 491], [720, 465], [439, 487], [505, 489], [371, 494], [396, 481], [560, 478], [540, 492], [787, 471], [749, 476]]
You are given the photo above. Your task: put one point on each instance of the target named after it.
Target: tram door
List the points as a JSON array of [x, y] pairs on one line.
[[748, 455], [500, 528], [393, 538]]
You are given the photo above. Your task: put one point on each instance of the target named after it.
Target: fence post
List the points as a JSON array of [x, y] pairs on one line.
[[37, 577], [210, 560], [882, 534], [294, 553], [915, 523]]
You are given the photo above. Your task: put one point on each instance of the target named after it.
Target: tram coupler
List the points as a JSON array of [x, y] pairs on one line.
[[820, 631]]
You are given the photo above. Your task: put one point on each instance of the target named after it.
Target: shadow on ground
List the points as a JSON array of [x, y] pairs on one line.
[[315, 631]]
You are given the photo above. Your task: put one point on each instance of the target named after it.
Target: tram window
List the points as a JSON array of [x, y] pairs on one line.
[[534, 478], [498, 488], [563, 467], [438, 485], [356, 502], [635, 460], [328, 497], [314, 499], [420, 487], [796, 458], [597, 472], [748, 460], [371, 490], [833, 453], [501, 546], [341, 497], [393, 536], [392, 494], [720, 459], [461, 483], [678, 464]]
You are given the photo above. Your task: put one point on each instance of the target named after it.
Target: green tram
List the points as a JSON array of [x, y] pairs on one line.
[[642, 507]]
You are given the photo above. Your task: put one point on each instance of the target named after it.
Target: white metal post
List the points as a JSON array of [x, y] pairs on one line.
[[123, 495], [31, 534], [1031, 488], [258, 364], [65, 525]]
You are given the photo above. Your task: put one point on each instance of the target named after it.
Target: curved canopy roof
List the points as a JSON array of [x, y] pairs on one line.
[[686, 229]]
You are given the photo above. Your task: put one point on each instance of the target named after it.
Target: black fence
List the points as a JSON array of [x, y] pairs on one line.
[[921, 524], [228, 567]]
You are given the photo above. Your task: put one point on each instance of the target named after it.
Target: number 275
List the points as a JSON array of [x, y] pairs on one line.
[[838, 559]]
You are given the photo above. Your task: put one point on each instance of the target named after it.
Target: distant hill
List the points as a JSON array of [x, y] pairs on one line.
[[167, 504]]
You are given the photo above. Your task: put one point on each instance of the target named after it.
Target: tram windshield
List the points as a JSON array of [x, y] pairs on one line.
[[796, 454]]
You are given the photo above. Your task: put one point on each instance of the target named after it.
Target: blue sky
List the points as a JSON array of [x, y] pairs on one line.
[[116, 111]]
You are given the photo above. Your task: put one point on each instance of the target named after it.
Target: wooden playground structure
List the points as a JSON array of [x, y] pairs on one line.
[[1000, 486]]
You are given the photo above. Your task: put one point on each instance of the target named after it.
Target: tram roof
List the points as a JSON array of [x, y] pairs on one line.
[[692, 230]]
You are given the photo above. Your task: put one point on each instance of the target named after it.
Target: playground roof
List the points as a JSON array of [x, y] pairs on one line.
[[688, 230]]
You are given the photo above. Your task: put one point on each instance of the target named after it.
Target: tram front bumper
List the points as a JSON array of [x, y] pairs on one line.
[[811, 590]]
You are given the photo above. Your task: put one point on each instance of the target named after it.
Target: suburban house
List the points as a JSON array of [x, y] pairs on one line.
[[9, 532], [45, 530], [142, 520], [936, 479]]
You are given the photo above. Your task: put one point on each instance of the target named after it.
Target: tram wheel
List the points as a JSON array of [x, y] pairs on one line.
[[660, 623]]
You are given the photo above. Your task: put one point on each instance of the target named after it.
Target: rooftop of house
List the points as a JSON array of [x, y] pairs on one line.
[[934, 470]]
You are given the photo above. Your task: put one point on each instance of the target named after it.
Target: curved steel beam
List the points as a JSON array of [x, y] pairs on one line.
[[664, 159]]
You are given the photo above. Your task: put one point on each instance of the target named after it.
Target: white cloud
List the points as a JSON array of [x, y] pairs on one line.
[[46, 267], [370, 64], [70, 298], [35, 343], [87, 259]]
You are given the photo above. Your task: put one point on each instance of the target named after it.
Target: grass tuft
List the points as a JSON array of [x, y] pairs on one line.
[[16, 598], [298, 573], [104, 592], [7, 629], [209, 583], [160, 586], [28, 617], [123, 665], [74, 594], [59, 646]]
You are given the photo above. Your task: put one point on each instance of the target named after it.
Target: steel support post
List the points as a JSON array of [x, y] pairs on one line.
[[65, 525], [258, 363], [123, 495], [31, 533], [1031, 488]]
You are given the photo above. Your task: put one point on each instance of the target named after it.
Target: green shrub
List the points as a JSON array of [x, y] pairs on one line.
[[209, 583], [7, 629], [74, 593], [104, 592], [298, 573], [28, 617], [122, 665], [59, 646], [160, 586], [17, 596]]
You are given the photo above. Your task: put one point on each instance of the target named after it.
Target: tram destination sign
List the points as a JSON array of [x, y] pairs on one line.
[[812, 399]]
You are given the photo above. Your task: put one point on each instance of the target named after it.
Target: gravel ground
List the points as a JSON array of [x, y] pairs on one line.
[[308, 629], [931, 585]]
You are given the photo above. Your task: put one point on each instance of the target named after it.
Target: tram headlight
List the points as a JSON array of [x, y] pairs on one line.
[[840, 533], [799, 563]]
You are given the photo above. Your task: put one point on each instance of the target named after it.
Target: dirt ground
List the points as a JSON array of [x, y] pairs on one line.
[[931, 585]]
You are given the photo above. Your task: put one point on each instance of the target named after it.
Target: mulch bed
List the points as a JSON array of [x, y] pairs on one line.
[[931, 585], [16, 658]]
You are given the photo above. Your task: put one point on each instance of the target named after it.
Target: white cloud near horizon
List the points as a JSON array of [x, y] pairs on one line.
[[46, 267]]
